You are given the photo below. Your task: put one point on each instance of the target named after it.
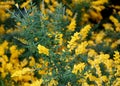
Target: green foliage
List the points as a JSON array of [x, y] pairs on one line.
[[33, 25]]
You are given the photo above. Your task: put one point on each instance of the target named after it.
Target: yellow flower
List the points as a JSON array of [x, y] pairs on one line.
[[104, 78], [85, 18], [98, 8], [3, 67], [13, 48], [42, 72], [54, 3], [9, 67], [26, 84], [92, 53], [81, 49], [52, 9], [43, 50], [72, 43], [117, 74], [69, 12], [2, 30], [84, 31], [78, 68], [59, 38], [91, 43], [117, 27], [3, 46], [98, 70], [114, 20], [116, 82], [1, 51], [47, 1], [32, 61], [19, 73], [24, 62], [99, 2], [79, 1], [95, 16], [37, 83], [3, 14], [53, 83], [25, 3], [99, 37], [72, 25], [103, 57], [15, 53], [108, 26], [91, 77], [116, 57], [68, 84]]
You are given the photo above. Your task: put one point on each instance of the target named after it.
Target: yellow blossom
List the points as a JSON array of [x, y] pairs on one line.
[[115, 44], [24, 62], [18, 23], [114, 20], [52, 9], [99, 2], [78, 68], [25, 3], [117, 27], [19, 73], [3, 14], [84, 31], [99, 37], [1, 51], [92, 53], [98, 8], [72, 43], [117, 57], [79, 1], [91, 77], [103, 57], [37, 83], [53, 83], [95, 16], [26, 84], [72, 25], [3, 47], [108, 26], [69, 12], [116, 82], [59, 38], [91, 43], [104, 78], [32, 61], [117, 74], [9, 67], [47, 1], [54, 3], [81, 49], [2, 30], [85, 18], [98, 70], [68, 84], [42, 72], [43, 50]]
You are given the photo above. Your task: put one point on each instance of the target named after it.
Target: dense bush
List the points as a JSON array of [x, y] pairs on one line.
[[59, 43]]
